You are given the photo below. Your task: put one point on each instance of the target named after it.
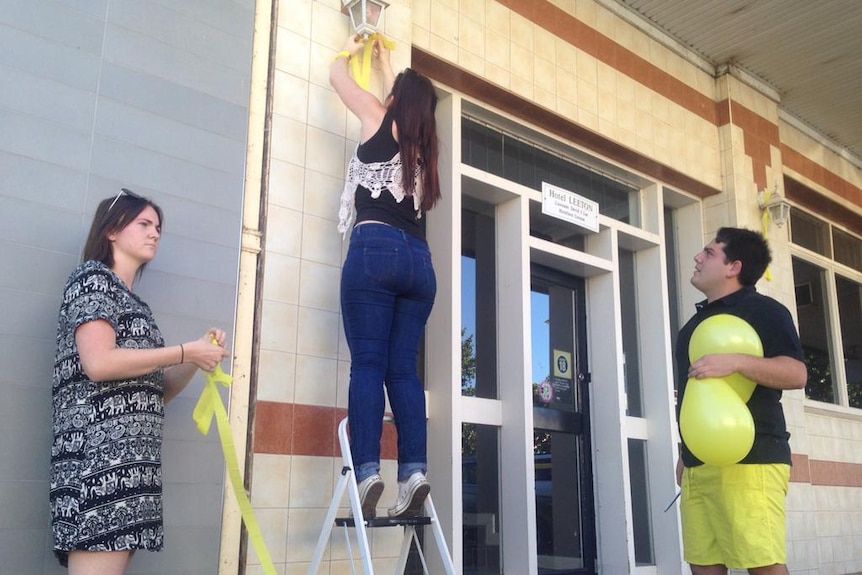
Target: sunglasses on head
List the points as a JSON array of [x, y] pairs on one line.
[[123, 191]]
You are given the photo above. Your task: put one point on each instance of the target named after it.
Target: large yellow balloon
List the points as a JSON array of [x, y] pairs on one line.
[[725, 333], [715, 423]]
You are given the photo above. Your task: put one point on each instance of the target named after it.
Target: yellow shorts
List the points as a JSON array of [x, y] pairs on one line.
[[734, 515]]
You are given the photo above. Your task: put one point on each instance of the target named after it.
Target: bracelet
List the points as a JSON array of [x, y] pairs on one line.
[[182, 354], [344, 53]]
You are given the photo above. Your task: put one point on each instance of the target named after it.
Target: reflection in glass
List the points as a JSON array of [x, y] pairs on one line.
[[641, 524], [810, 232], [480, 490], [526, 163], [553, 358], [631, 347], [813, 317], [850, 312], [558, 502], [478, 303], [848, 249]]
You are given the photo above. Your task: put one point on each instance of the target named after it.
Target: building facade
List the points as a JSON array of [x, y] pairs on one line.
[[547, 360]]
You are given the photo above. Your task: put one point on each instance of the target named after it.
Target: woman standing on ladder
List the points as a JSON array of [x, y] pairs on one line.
[[387, 281]]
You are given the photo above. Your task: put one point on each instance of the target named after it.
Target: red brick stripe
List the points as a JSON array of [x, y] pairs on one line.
[[294, 429]]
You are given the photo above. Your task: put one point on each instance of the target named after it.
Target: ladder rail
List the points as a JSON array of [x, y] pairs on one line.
[[347, 482]]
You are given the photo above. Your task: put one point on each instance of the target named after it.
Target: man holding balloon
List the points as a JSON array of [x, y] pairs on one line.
[[734, 358]]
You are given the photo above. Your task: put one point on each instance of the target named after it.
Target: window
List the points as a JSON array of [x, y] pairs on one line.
[[827, 273], [480, 492], [850, 311], [529, 164], [641, 522], [478, 301]]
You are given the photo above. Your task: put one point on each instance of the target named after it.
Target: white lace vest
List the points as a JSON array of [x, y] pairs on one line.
[[375, 177]]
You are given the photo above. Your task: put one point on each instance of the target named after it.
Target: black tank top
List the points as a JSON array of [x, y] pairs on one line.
[[381, 147]]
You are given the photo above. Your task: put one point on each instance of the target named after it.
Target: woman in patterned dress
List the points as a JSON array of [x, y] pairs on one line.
[[112, 376]]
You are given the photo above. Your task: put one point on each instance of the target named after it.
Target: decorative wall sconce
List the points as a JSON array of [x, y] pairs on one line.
[[776, 206], [365, 15]]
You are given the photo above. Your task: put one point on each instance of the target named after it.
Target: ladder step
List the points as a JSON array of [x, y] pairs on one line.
[[384, 521]]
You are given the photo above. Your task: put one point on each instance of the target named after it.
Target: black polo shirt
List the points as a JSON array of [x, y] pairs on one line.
[[774, 324]]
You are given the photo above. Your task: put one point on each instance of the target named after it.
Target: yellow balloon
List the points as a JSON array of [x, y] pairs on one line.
[[725, 333], [714, 422], [743, 386]]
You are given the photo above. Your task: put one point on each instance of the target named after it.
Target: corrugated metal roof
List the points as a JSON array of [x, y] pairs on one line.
[[810, 53]]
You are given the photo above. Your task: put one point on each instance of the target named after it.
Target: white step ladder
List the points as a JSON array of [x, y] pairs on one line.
[[356, 520]]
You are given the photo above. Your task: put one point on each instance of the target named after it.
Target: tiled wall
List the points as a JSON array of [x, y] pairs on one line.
[[574, 59], [98, 95], [304, 362], [587, 65]]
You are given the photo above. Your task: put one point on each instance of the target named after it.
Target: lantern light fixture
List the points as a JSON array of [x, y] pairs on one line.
[[365, 15], [777, 206]]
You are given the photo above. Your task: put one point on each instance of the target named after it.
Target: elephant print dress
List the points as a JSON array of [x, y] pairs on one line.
[[106, 476]]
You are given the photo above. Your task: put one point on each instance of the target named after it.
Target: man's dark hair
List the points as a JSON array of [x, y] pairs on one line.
[[747, 247]]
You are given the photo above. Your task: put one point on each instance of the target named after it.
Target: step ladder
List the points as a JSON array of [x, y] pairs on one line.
[[347, 481]]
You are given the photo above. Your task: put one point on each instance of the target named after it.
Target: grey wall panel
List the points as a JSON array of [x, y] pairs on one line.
[[150, 131], [47, 99], [28, 223], [27, 361], [44, 140], [99, 94], [45, 58], [148, 171], [42, 183], [170, 100]]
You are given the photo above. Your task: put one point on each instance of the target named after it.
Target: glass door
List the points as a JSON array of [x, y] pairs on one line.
[[565, 513]]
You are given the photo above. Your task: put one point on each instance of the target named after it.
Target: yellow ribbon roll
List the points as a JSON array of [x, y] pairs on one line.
[[360, 66], [210, 404]]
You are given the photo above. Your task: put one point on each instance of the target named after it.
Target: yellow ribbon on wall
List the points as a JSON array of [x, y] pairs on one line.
[[360, 65], [210, 404], [765, 220]]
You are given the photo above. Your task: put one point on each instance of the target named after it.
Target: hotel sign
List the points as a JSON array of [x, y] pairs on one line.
[[569, 206]]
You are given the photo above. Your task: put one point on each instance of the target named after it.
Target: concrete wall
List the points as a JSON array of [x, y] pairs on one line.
[[99, 95]]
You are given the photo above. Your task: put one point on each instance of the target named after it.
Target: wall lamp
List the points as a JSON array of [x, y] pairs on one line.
[[364, 15], [776, 206]]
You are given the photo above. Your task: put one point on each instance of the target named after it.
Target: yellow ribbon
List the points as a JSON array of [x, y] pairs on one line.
[[210, 404], [765, 220], [360, 66]]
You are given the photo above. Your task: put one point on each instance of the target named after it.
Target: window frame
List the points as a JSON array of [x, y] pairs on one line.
[[831, 269]]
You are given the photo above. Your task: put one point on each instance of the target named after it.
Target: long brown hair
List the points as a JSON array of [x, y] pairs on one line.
[[413, 105], [113, 215]]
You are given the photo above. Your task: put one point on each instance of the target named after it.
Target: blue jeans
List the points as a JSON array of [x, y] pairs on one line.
[[387, 292]]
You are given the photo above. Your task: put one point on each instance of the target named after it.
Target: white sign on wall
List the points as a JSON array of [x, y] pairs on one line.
[[569, 206]]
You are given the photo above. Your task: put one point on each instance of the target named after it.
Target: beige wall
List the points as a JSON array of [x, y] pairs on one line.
[[303, 360]]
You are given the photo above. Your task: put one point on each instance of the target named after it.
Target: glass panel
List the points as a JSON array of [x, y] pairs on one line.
[[558, 502], [809, 232], [478, 304], [631, 348], [670, 243], [526, 163], [641, 523], [480, 492], [848, 249], [850, 312], [813, 317], [481, 148], [553, 348], [556, 230]]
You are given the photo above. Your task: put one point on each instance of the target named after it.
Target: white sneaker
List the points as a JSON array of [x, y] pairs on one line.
[[370, 490], [411, 496]]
